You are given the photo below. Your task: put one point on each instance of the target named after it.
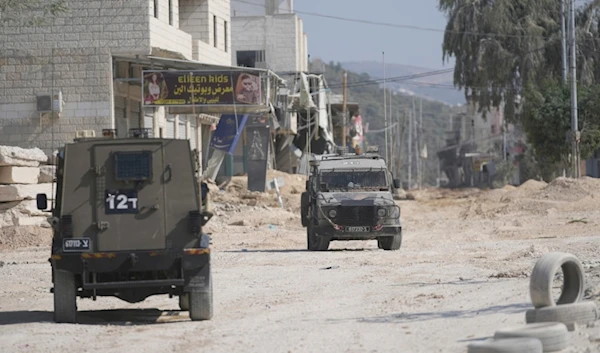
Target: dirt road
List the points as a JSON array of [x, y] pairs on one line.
[[461, 274]]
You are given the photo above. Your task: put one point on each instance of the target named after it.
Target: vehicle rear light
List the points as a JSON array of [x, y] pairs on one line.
[[194, 222], [66, 225]]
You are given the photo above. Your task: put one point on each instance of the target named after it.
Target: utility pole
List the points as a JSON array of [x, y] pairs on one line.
[[387, 160], [344, 113], [563, 41], [410, 132], [392, 138], [419, 132], [401, 129], [504, 127], [574, 123]]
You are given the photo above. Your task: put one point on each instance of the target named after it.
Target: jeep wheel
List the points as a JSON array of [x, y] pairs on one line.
[[201, 302], [65, 297], [304, 208], [184, 302], [316, 242], [390, 243]]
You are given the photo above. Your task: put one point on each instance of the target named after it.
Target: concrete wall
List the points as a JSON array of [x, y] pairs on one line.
[[280, 36], [72, 55], [197, 18], [164, 36]]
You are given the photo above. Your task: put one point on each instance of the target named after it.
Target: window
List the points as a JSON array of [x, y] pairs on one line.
[[215, 31], [133, 166], [156, 8], [250, 58], [226, 41], [171, 12]]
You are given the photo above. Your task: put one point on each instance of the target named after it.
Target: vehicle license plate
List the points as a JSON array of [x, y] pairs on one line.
[[358, 229]]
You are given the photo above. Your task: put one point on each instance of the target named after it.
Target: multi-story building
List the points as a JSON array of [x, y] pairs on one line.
[[269, 35], [82, 71]]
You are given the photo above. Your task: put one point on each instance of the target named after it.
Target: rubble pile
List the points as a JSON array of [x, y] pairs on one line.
[[23, 174]]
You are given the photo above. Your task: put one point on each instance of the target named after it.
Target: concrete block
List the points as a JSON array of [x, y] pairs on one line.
[[19, 175], [47, 173], [17, 156], [22, 213], [10, 193]]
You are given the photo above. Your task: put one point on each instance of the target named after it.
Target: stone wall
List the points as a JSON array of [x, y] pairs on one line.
[[72, 55]]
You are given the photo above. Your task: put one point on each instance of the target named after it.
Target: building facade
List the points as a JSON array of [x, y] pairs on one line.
[[83, 70], [272, 38]]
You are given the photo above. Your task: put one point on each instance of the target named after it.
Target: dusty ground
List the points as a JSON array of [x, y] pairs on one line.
[[461, 274]]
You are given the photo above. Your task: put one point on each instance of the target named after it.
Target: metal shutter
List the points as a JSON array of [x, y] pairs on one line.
[[170, 131], [120, 121], [182, 127], [149, 120], [136, 111], [193, 133]]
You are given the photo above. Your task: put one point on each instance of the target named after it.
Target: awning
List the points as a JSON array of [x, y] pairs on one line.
[[158, 62]]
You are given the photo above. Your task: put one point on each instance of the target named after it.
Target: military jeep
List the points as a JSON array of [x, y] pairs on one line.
[[350, 197], [127, 223]]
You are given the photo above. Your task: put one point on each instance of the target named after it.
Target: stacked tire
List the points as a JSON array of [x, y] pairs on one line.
[[548, 323], [569, 308]]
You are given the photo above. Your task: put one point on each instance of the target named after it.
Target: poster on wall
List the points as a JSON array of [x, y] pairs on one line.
[[258, 140], [228, 132], [187, 88]]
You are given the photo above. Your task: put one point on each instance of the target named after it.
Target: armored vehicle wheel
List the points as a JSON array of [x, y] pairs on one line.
[[390, 243], [304, 209], [184, 302], [315, 242], [65, 297], [201, 302]]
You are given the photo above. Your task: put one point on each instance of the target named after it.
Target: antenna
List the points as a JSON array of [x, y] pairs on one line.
[[52, 134]]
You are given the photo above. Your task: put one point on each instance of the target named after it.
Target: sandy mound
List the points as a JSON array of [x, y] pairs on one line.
[[24, 236], [570, 190], [236, 192], [532, 184]]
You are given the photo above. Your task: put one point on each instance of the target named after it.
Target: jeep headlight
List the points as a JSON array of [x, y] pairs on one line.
[[332, 213], [381, 212]]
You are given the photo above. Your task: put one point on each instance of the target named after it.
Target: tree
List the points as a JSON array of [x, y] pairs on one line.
[[29, 12], [547, 121], [503, 46]]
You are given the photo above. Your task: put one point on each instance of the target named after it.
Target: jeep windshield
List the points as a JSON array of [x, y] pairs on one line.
[[352, 180]]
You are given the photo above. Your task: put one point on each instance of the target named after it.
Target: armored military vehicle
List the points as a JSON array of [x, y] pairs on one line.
[[350, 197], [127, 221]]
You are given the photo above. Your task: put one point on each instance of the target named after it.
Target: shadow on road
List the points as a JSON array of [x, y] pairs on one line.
[[293, 250], [124, 317], [461, 314], [452, 283]]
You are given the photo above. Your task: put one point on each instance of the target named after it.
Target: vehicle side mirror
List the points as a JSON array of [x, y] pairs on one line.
[[397, 184], [42, 201]]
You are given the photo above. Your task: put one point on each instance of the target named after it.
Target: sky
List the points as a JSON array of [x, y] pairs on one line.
[[332, 39]]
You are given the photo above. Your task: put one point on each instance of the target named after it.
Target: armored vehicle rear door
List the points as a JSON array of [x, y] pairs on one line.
[[130, 196]]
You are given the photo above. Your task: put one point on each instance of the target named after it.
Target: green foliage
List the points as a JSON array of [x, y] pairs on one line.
[[547, 121], [503, 46], [504, 171], [30, 12], [506, 49]]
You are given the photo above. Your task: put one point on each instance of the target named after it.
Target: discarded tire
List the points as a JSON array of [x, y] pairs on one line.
[[579, 313], [507, 345], [553, 335], [540, 285]]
